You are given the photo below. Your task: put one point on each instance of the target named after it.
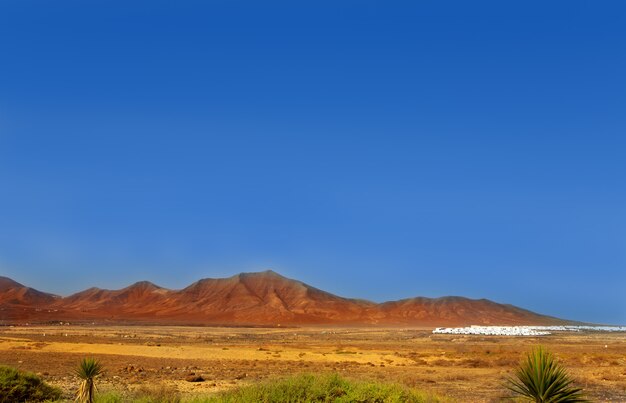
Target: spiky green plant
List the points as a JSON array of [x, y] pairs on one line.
[[542, 379], [88, 370]]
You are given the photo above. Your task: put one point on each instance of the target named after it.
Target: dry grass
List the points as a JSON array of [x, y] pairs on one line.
[[461, 367]]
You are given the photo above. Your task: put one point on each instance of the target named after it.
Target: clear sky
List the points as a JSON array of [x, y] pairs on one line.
[[373, 149]]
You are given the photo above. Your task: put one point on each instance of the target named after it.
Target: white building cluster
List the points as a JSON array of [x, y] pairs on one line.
[[524, 330]]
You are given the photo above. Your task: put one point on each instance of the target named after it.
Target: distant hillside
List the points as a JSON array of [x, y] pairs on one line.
[[264, 298], [14, 293]]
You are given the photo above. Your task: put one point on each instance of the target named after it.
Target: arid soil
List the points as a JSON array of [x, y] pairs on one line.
[[465, 368]]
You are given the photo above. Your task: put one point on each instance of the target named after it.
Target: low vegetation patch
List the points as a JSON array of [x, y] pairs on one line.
[[324, 388], [18, 386], [298, 389], [156, 394]]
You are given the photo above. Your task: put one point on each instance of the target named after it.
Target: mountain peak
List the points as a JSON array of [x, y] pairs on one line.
[[144, 285], [7, 283], [18, 294], [264, 274]]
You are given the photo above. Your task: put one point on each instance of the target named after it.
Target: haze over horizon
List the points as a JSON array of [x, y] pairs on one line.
[[377, 150]]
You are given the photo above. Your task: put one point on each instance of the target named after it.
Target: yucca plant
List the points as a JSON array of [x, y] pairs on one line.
[[88, 370], [541, 378]]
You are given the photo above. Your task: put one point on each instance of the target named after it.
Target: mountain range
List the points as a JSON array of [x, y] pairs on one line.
[[256, 299]]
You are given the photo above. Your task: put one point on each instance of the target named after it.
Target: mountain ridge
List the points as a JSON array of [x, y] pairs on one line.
[[257, 298]]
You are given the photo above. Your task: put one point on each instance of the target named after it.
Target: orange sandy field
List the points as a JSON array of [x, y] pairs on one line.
[[463, 368]]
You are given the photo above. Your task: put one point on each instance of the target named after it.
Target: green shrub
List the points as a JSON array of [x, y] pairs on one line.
[[110, 397], [156, 394], [542, 379], [18, 386], [327, 388]]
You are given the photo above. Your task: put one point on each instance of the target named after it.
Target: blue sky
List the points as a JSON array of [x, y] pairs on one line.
[[380, 150]]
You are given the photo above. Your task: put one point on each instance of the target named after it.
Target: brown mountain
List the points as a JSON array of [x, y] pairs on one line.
[[267, 297], [460, 310], [137, 300], [264, 298], [19, 303], [14, 293]]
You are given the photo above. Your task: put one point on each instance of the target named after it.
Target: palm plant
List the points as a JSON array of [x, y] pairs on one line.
[[542, 379], [88, 370]]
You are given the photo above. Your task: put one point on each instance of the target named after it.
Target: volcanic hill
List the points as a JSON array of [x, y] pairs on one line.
[[264, 299], [14, 293]]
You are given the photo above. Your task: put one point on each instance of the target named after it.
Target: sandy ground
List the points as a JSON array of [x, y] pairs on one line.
[[465, 368]]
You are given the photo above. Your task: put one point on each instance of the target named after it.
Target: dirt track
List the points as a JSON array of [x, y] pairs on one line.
[[467, 368]]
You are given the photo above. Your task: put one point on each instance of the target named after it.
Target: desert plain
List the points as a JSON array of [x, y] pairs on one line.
[[462, 368]]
